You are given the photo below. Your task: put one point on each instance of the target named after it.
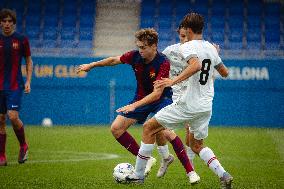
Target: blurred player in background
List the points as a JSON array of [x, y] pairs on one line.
[[177, 66], [194, 106], [148, 65], [13, 47]]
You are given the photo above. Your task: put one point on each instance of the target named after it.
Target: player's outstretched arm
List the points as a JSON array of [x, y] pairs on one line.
[[110, 61]]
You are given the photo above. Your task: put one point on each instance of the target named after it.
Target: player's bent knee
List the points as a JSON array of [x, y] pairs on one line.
[[147, 129], [13, 116], [169, 135], [116, 130]]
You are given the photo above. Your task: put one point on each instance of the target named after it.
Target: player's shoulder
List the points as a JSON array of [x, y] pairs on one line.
[[161, 59], [173, 47], [210, 45], [161, 56], [188, 45], [20, 36], [205, 46], [130, 57], [212, 48], [132, 53]]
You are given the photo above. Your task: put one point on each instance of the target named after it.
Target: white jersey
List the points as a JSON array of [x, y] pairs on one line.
[[178, 64], [200, 88]]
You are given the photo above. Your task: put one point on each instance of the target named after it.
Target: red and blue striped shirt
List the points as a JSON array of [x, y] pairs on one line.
[[12, 49], [146, 74]]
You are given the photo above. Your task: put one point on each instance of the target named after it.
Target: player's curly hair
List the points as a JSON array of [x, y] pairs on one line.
[[4, 13], [194, 21], [147, 35]]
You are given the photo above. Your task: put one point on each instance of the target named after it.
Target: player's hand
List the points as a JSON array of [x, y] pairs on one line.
[[27, 87], [126, 109], [217, 47], [164, 82], [83, 67]]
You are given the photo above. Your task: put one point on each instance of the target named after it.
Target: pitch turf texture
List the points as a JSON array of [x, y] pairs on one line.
[[84, 157]]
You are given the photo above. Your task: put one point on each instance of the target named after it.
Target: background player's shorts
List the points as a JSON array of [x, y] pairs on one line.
[[178, 92], [175, 97], [174, 115], [10, 100], [141, 113]]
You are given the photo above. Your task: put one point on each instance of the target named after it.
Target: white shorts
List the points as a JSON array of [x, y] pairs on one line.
[[175, 97], [174, 115], [177, 93]]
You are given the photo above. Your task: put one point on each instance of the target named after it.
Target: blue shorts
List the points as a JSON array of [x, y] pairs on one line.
[[141, 113], [10, 100]]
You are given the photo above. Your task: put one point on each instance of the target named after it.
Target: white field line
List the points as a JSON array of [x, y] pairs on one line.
[[74, 157]]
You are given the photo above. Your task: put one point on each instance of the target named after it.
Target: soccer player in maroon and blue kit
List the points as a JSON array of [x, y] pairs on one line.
[[149, 65], [13, 47]]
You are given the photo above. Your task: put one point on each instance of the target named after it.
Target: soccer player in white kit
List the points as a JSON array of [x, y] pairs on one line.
[[194, 106], [177, 66]]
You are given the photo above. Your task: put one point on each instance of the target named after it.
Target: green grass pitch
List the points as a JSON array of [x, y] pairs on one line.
[[84, 157]]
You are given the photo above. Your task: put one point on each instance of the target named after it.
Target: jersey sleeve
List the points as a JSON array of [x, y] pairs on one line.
[[127, 58], [26, 47], [164, 71], [188, 51], [218, 62]]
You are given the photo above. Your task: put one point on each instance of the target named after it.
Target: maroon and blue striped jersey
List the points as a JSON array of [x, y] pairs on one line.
[[12, 49], [146, 74]]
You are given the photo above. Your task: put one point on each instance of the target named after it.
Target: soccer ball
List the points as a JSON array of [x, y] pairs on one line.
[[46, 122], [121, 171]]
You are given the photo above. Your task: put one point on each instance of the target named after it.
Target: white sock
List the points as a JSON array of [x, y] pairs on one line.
[[144, 154], [207, 155], [164, 151], [190, 154]]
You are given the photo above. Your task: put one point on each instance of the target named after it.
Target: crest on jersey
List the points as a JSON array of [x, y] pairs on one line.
[[15, 45], [152, 73]]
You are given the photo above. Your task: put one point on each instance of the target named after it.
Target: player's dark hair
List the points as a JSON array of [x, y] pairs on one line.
[[194, 21], [147, 35], [180, 27], [4, 13]]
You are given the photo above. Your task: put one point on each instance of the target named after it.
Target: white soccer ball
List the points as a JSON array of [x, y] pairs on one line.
[[121, 171], [46, 122]]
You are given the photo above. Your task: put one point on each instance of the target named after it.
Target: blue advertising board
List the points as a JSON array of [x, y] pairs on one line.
[[253, 94]]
